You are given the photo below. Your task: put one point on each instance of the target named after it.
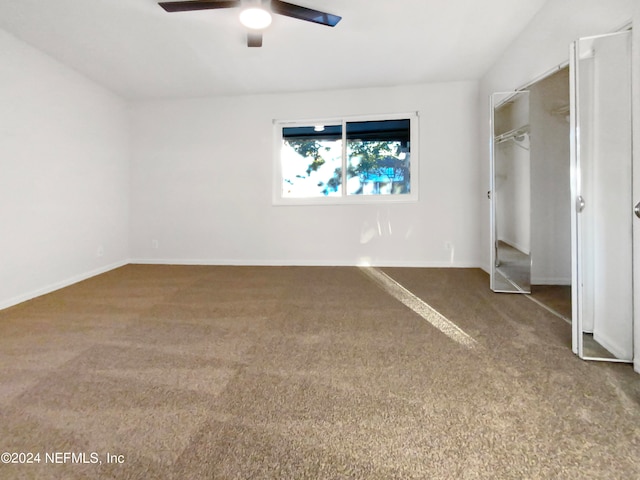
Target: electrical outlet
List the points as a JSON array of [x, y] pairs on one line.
[[100, 251], [448, 245], [154, 244]]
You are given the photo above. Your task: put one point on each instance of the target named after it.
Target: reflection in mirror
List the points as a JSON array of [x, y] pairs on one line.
[[510, 193]]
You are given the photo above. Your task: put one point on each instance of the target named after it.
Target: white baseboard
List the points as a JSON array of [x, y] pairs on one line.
[[551, 281], [517, 246], [58, 285], [298, 263], [181, 261], [611, 346]]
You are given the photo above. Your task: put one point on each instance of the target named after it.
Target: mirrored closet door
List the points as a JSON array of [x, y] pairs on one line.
[[510, 193]]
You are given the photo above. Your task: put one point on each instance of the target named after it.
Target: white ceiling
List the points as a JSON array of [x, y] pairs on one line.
[[137, 50]]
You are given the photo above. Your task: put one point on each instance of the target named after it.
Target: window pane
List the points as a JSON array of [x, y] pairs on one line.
[[378, 157], [311, 159]]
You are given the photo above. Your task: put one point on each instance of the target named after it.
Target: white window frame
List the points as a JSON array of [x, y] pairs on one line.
[[343, 199]]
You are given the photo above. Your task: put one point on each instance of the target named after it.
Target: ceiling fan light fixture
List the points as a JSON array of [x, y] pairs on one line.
[[255, 18]]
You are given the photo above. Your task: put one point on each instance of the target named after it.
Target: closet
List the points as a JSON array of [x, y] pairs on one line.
[[531, 191], [561, 194]]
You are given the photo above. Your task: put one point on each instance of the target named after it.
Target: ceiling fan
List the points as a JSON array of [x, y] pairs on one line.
[[256, 14]]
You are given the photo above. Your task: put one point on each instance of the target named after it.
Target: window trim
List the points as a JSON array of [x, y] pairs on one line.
[[344, 199]]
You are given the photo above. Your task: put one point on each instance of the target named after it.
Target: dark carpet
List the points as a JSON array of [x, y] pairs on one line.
[[194, 372]]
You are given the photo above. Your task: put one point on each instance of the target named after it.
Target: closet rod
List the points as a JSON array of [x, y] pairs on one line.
[[516, 132], [563, 110]]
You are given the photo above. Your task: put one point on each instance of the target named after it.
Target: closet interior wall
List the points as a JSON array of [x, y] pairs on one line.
[[550, 180]]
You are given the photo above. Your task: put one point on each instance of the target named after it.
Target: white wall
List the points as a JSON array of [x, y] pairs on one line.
[[63, 175], [202, 183]]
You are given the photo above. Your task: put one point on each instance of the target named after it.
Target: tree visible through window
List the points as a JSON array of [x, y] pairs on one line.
[[312, 161], [338, 159], [378, 157]]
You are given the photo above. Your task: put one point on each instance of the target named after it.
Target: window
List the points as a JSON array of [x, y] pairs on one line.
[[364, 159]]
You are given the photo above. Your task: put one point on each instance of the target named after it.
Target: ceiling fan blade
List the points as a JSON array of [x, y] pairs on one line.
[[254, 39], [303, 13], [198, 5]]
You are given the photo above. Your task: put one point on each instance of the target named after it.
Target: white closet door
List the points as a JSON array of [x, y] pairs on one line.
[[602, 190]]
